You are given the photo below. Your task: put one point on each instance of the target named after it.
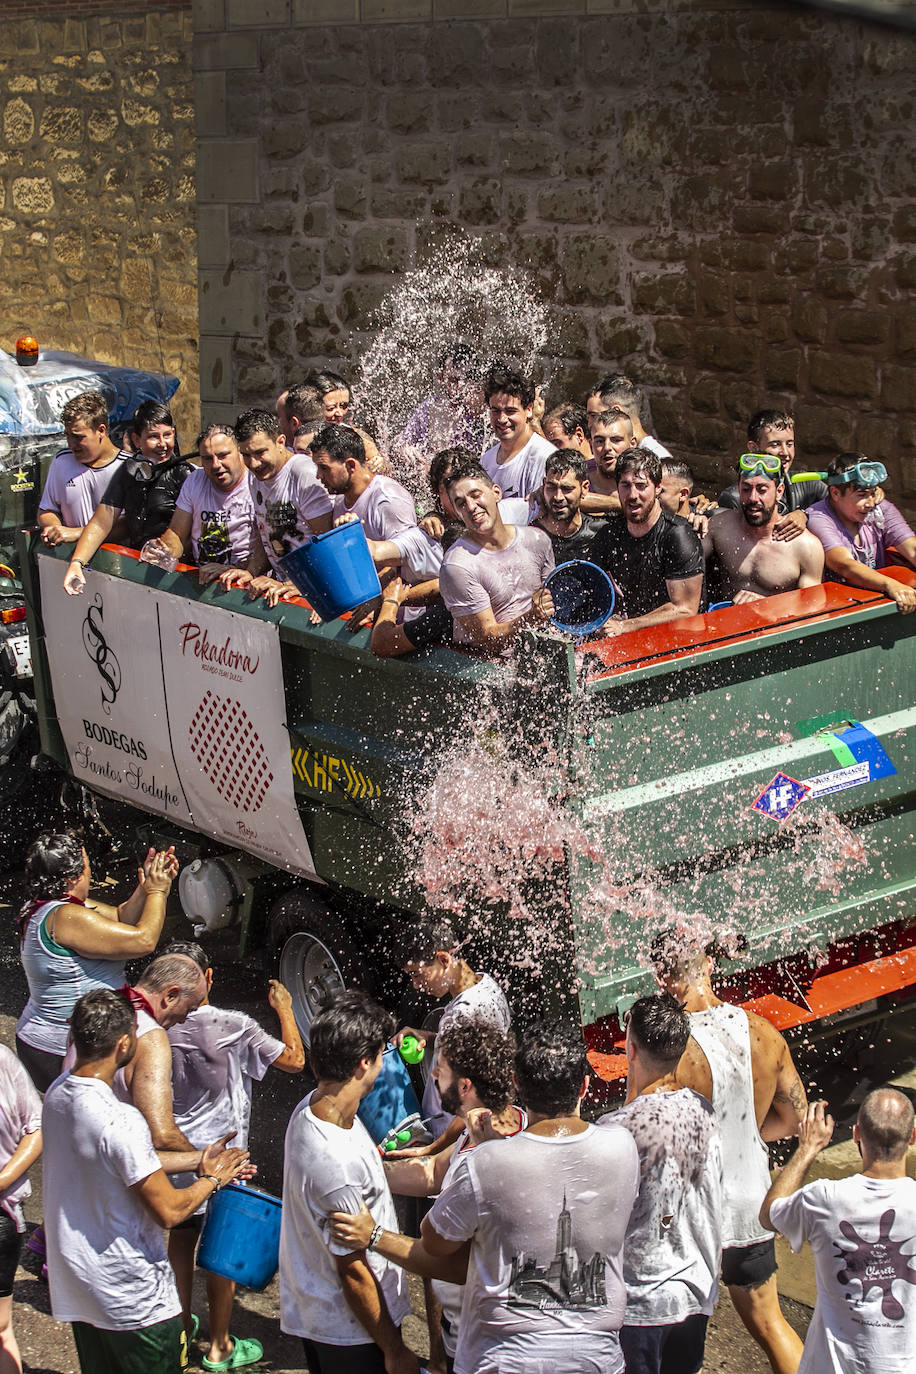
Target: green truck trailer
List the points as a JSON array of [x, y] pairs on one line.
[[752, 770]]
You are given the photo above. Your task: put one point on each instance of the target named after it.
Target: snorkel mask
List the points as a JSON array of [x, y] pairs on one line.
[[761, 465], [866, 476]]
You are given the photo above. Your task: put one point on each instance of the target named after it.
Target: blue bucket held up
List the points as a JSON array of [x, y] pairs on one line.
[[241, 1236], [392, 1104], [334, 570], [583, 596]]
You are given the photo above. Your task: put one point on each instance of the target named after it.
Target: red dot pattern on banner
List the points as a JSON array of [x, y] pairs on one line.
[[229, 750]]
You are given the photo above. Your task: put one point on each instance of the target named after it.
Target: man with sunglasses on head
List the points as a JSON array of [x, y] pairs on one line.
[[857, 529], [753, 563], [773, 432]]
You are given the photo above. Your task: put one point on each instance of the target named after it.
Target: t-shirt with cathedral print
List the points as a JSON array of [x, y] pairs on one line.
[[548, 1215]]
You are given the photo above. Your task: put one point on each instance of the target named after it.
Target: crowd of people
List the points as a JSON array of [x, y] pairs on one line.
[[514, 490], [547, 1243]]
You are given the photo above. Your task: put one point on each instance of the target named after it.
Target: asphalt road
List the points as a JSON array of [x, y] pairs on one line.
[[47, 1346]]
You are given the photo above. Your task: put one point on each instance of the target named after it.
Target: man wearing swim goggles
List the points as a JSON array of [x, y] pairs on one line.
[[857, 528], [751, 560], [771, 434]]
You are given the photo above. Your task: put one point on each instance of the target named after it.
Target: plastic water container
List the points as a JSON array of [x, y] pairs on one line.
[[583, 596], [241, 1236], [334, 570], [718, 605], [392, 1107]]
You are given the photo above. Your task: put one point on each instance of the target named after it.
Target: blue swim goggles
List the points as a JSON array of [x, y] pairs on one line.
[[866, 475]]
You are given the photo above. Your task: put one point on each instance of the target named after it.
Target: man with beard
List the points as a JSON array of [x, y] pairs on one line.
[[754, 563], [653, 556], [570, 531]]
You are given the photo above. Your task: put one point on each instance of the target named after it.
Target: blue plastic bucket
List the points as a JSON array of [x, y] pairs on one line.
[[241, 1236], [392, 1099], [334, 570], [583, 596]]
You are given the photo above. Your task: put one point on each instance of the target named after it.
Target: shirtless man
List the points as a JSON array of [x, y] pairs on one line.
[[742, 1064], [753, 561]]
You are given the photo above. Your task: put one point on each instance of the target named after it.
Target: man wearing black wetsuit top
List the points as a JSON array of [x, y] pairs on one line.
[[773, 432], [569, 529], [654, 557]]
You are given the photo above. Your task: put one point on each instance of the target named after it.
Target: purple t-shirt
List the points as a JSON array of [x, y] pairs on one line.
[[880, 530], [471, 578]]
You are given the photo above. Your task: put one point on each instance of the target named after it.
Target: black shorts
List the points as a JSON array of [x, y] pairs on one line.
[[41, 1066], [747, 1266], [678, 1348], [343, 1359], [10, 1250]]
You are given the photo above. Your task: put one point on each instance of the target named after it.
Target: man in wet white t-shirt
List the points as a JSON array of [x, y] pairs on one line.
[[516, 461], [347, 1304], [492, 578], [743, 1066], [79, 475], [290, 505], [214, 512], [384, 508], [435, 967], [673, 1248], [546, 1216], [862, 1231]]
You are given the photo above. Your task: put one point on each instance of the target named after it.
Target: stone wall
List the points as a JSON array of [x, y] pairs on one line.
[[717, 195], [98, 239]]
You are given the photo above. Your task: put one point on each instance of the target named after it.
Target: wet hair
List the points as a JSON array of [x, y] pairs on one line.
[[326, 381], [679, 471], [502, 379], [768, 419], [445, 462], [473, 469], [618, 390], [614, 417], [422, 942], [569, 417], [774, 477], [566, 460], [150, 413], [349, 1028], [256, 421], [483, 1054], [212, 431], [52, 860], [90, 408], [463, 357], [660, 1027], [842, 463], [190, 949], [885, 1123], [98, 1021], [301, 396], [550, 1065], [170, 971], [311, 416], [639, 460], [339, 442]]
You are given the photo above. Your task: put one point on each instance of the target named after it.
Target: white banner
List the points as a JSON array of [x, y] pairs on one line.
[[176, 707]]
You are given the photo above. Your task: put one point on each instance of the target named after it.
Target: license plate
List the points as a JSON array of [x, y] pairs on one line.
[[22, 655]]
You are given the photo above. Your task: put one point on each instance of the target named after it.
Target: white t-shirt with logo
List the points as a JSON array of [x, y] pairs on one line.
[[223, 528], [548, 1216], [74, 490], [863, 1235], [107, 1263], [328, 1169], [283, 506], [673, 1250], [523, 473]]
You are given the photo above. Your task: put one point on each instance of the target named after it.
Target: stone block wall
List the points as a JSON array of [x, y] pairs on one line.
[[98, 239], [717, 194]]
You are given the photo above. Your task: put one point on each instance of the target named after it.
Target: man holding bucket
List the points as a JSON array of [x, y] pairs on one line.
[[347, 1305]]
